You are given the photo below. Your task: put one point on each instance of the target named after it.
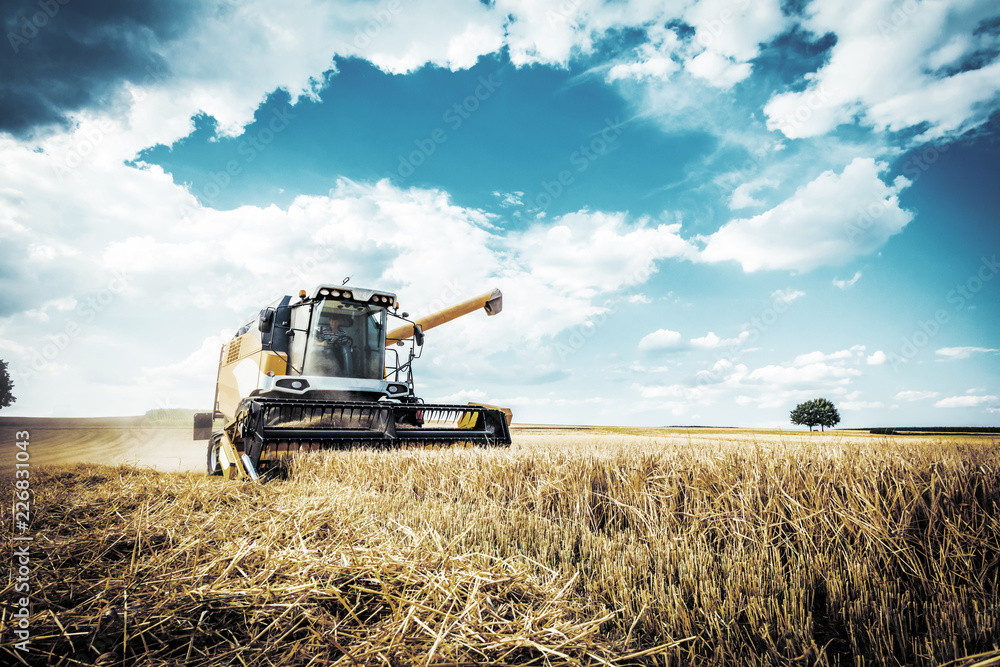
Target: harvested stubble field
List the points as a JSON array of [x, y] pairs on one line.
[[569, 548]]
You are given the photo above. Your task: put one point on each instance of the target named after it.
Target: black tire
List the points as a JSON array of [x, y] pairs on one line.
[[213, 457]]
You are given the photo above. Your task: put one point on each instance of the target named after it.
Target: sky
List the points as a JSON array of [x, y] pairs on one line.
[[699, 212]]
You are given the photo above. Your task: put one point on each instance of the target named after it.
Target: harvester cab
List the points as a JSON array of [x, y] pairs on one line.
[[323, 372]]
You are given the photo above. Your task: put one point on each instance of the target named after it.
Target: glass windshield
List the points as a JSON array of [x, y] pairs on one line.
[[346, 340]]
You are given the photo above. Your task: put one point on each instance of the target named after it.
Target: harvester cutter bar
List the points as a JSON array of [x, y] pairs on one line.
[[276, 427]]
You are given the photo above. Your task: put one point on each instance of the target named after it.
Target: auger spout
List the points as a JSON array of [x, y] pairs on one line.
[[491, 302]]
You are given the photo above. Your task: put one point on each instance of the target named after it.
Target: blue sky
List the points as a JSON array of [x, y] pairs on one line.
[[699, 212]]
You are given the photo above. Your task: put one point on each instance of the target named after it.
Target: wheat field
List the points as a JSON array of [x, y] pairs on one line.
[[568, 548]]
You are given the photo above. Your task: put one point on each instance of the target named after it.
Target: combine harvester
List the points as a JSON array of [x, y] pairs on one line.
[[323, 372]]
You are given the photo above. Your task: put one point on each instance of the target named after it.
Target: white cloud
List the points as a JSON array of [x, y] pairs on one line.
[[885, 70], [966, 401], [148, 253], [661, 339], [817, 369], [718, 70], [183, 383], [801, 375], [877, 358], [711, 340], [787, 295], [508, 199], [730, 34], [910, 395], [844, 284], [817, 225], [466, 396], [955, 353], [742, 196], [653, 60], [656, 67], [735, 29], [586, 253], [768, 387]]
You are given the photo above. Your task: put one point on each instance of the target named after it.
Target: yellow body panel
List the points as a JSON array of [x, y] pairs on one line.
[[508, 414], [236, 371], [229, 460]]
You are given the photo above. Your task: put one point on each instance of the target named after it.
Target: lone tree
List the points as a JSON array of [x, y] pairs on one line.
[[6, 386], [817, 412]]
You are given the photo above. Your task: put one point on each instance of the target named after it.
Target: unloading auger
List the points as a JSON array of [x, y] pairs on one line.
[[323, 372]]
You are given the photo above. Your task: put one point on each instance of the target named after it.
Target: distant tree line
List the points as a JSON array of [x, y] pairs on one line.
[[6, 386]]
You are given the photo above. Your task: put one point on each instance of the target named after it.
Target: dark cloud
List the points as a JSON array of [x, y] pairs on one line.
[[59, 56]]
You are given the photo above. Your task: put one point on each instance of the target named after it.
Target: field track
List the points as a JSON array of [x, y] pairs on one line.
[[109, 440]]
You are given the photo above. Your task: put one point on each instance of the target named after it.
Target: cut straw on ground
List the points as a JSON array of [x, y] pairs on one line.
[[609, 551]]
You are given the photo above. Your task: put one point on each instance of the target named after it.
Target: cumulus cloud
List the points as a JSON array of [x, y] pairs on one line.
[[877, 358], [817, 225], [718, 70], [895, 66], [730, 35], [767, 387], [661, 339], [711, 340], [145, 252], [804, 374], [590, 252]]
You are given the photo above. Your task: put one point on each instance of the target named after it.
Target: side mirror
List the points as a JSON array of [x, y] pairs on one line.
[[265, 321], [418, 334]]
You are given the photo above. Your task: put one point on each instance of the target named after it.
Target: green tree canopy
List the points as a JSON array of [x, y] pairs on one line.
[[817, 412], [6, 386]]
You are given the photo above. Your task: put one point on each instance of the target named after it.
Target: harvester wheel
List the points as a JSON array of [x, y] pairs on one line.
[[213, 456]]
